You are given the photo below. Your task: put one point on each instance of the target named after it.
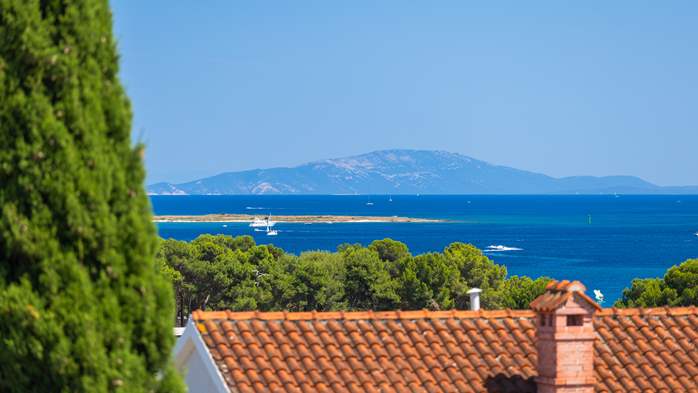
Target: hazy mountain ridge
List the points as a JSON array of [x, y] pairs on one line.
[[407, 172]]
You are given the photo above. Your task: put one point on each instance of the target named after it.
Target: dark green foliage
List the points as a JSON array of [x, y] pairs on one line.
[[315, 283], [679, 287], [221, 272], [476, 271], [83, 307], [368, 284], [518, 292], [429, 281], [390, 250]]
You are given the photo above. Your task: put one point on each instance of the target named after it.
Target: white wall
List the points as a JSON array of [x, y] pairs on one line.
[[197, 377], [194, 361]]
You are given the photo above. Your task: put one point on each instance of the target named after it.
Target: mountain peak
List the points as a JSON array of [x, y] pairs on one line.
[[411, 154]]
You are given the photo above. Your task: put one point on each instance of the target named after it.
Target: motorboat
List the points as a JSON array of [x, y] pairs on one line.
[[262, 222], [496, 248], [258, 222]]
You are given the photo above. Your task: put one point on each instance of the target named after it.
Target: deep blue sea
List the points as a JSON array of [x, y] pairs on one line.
[[604, 241]]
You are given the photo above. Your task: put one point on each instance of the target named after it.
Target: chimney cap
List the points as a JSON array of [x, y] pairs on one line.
[[565, 286], [558, 292], [474, 290]]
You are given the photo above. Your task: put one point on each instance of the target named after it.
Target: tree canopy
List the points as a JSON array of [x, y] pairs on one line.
[[222, 272], [678, 287], [83, 306]]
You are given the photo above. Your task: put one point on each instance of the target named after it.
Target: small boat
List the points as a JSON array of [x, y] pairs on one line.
[[262, 222], [258, 222], [272, 232], [390, 198], [496, 248], [369, 203], [696, 233]]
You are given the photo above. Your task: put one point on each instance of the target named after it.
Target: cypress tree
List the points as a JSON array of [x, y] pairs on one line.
[[83, 307]]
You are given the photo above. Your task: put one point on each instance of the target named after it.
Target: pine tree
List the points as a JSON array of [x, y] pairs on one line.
[[82, 305]]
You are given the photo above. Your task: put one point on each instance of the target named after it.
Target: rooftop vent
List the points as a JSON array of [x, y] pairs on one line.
[[474, 298]]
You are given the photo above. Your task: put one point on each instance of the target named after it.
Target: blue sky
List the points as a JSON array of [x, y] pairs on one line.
[[559, 87]]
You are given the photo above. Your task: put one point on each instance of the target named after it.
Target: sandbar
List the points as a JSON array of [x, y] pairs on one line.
[[300, 219]]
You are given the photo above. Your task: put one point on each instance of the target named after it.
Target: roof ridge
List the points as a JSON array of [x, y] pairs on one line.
[[422, 314], [645, 311], [354, 315]]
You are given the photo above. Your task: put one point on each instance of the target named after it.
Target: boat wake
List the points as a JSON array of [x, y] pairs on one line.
[[254, 208], [500, 248]]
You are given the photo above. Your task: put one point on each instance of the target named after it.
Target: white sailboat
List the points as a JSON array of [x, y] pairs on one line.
[[390, 198], [369, 203], [599, 296], [272, 232]]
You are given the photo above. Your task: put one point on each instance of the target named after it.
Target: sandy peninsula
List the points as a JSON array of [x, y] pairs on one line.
[[292, 219]]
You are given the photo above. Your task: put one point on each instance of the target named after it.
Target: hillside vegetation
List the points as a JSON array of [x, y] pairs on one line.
[[218, 272], [678, 287]]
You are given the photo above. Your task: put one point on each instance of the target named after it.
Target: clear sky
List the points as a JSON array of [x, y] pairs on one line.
[[559, 87]]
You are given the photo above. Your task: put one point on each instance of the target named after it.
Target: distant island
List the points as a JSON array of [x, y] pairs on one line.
[[304, 219], [408, 172]]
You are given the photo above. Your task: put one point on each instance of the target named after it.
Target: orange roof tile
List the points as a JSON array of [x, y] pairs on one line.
[[442, 351]]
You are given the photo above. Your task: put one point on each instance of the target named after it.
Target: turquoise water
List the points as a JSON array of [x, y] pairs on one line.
[[604, 241]]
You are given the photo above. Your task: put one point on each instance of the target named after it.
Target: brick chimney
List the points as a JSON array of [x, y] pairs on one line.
[[565, 338]]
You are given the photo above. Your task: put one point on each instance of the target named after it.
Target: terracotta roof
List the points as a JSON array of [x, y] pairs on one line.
[[443, 351], [558, 292]]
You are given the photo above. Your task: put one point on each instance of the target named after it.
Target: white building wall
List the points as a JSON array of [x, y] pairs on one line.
[[194, 362], [197, 377]]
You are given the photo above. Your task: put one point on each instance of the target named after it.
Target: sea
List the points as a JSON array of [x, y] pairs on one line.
[[604, 241]]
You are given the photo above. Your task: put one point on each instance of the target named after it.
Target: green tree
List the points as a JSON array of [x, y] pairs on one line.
[[414, 293], [368, 284], [316, 283], [679, 287], [83, 307], [684, 280], [389, 249], [175, 258], [476, 271], [221, 272], [428, 281], [518, 292]]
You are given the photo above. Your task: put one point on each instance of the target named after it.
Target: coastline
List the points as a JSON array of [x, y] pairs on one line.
[[297, 219]]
